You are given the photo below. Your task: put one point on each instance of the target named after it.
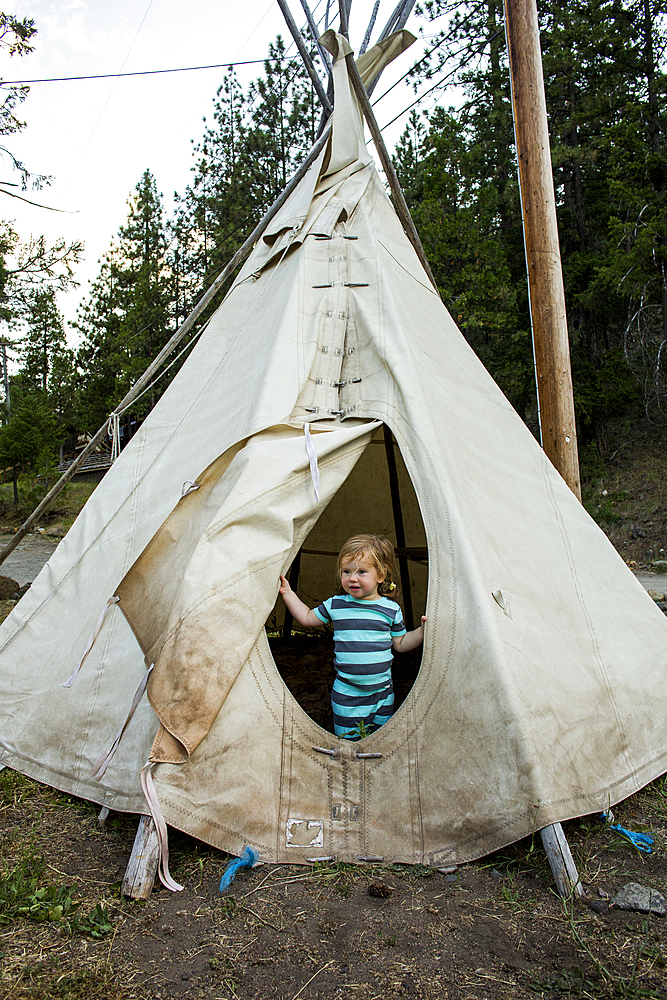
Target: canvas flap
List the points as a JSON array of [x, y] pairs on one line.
[[200, 594]]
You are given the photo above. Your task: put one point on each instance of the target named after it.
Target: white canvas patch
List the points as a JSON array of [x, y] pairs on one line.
[[305, 833]]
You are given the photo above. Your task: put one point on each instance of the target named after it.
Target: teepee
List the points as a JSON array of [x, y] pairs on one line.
[[541, 694]]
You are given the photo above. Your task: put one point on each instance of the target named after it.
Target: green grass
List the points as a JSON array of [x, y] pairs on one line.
[[32, 491]]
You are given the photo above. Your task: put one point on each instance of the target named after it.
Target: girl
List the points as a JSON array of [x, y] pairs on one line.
[[366, 627]]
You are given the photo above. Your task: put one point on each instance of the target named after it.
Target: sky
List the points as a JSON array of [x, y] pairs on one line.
[[96, 137]]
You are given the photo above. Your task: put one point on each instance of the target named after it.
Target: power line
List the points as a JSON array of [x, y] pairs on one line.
[[444, 78], [116, 76], [412, 69]]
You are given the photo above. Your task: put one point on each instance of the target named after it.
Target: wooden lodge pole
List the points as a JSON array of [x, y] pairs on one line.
[[545, 277], [547, 301]]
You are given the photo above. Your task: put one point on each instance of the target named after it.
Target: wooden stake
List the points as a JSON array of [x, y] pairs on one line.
[[545, 277], [561, 861], [142, 866]]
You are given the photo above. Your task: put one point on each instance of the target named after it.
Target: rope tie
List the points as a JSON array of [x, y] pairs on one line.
[[102, 764], [312, 456], [113, 431], [642, 841], [148, 788], [100, 621], [247, 860]]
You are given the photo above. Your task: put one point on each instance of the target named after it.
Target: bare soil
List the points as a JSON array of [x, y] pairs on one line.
[[491, 929]]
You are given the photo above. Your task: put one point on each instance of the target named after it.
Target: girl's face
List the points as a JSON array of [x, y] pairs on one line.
[[360, 579]]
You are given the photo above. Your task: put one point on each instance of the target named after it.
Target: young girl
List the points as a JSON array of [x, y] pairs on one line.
[[366, 627]]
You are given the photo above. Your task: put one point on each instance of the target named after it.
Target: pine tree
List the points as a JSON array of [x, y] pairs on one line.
[[461, 184], [43, 340], [593, 51], [636, 268], [127, 317], [41, 392], [247, 154]]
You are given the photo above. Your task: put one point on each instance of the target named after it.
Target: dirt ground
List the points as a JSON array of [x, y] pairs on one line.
[[490, 929], [25, 562]]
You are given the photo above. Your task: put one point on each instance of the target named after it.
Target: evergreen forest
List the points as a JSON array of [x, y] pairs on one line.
[[606, 91]]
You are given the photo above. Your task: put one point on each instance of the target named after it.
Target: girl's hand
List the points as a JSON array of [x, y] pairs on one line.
[[284, 586], [424, 620]]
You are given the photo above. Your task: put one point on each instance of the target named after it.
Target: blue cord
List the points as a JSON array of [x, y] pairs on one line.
[[247, 860], [642, 841]]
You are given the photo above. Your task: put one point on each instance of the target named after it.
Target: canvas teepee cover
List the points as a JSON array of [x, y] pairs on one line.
[[542, 690]]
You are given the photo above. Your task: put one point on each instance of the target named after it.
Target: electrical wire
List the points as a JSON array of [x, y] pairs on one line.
[[109, 96], [117, 76], [411, 70], [444, 79]]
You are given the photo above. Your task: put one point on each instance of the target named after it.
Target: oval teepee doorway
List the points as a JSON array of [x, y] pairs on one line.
[[377, 498]]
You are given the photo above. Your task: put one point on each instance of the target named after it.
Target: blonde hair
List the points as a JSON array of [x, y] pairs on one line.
[[378, 551]]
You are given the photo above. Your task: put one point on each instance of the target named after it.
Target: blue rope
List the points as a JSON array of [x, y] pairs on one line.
[[642, 841], [247, 860]]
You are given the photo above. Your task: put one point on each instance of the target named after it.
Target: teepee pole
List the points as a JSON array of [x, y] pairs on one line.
[[397, 21], [152, 369], [305, 55], [547, 302], [388, 167], [399, 527], [344, 18], [369, 29], [393, 18], [324, 55]]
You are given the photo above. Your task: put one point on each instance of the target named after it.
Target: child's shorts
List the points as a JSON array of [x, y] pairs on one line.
[[357, 713]]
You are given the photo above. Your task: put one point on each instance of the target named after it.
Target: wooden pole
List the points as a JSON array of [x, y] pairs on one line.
[[344, 22], [399, 527], [5, 344], [547, 302], [324, 55], [397, 21], [305, 55], [545, 277], [388, 167], [187, 325], [293, 577]]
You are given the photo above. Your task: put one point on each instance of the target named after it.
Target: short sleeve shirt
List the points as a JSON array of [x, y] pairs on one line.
[[363, 634]]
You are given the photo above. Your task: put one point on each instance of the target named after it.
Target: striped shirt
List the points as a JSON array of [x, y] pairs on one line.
[[363, 633]]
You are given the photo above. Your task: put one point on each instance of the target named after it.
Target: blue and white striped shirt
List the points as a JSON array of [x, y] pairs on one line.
[[363, 633]]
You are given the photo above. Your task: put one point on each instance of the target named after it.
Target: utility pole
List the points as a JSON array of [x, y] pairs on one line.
[[545, 277], [4, 344], [547, 301]]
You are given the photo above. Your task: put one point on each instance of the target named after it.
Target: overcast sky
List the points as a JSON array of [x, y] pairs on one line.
[[96, 137]]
